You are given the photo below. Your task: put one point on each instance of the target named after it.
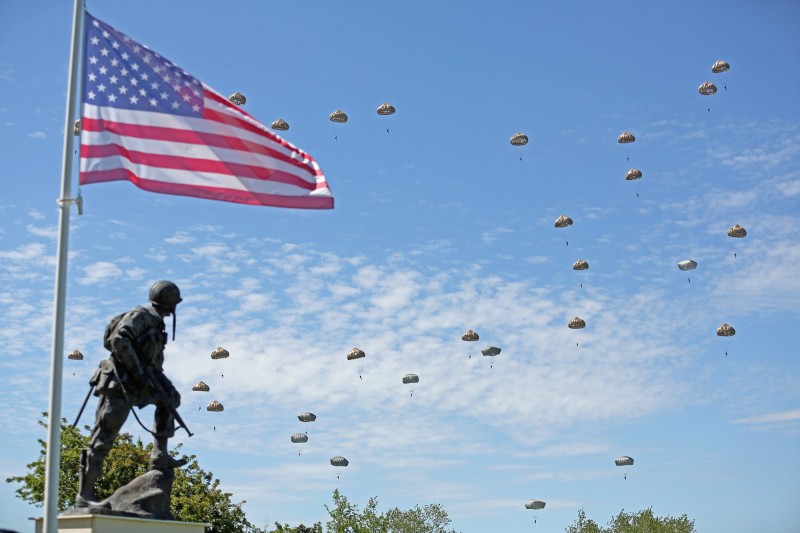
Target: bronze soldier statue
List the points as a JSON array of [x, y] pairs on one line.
[[133, 376]]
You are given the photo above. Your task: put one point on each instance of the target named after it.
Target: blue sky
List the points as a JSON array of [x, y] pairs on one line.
[[441, 225]]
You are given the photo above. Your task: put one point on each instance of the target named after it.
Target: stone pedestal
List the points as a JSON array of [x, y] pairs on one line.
[[120, 524]]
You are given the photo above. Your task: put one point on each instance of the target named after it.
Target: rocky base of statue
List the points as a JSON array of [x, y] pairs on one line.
[[147, 496]]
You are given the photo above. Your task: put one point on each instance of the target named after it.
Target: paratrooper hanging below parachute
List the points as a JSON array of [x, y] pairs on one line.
[[339, 462], [624, 461], [562, 222], [356, 353], [386, 109], [470, 336], [719, 67], [519, 139]]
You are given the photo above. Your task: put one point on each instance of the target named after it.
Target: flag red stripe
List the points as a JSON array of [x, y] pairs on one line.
[[159, 133], [210, 193], [193, 164]]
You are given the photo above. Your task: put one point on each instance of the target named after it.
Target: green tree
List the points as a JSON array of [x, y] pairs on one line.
[[431, 518], [196, 496], [642, 522], [346, 518], [286, 528]]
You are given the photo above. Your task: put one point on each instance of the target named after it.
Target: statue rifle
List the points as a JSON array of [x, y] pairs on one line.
[[85, 401], [167, 403]]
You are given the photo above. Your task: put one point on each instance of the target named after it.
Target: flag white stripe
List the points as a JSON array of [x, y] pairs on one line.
[[202, 179]]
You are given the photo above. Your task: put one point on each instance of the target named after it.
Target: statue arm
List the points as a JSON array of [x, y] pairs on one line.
[[124, 352]]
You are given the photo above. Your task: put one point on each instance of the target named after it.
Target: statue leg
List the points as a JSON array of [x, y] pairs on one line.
[[112, 411], [163, 428]]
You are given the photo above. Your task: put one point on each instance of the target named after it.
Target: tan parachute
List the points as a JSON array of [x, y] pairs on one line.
[[726, 330], [220, 353], [633, 174], [470, 336], [238, 99], [576, 323], [386, 109], [306, 417], [519, 139], [580, 264], [535, 504], [338, 116], [707, 88], [355, 353], [200, 387], [280, 125], [720, 66], [737, 232], [563, 221]]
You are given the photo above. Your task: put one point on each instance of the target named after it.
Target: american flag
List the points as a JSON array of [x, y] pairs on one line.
[[146, 120]]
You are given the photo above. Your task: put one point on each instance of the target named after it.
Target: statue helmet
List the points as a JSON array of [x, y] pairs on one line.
[[165, 294]]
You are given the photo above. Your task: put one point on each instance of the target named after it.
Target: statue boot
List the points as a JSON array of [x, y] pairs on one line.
[[160, 459], [88, 473]]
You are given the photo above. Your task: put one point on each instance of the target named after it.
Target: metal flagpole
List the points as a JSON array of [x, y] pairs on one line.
[[52, 470]]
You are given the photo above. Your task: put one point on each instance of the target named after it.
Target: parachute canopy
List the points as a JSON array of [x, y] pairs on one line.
[[299, 438], [215, 407], [339, 461], [220, 353], [75, 355], [534, 504], [491, 351], [563, 221], [726, 330], [626, 137], [580, 264], [306, 417], [237, 98], [410, 378], [338, 116], [720, 66], [470, 336], [576, 323], [519, 139], [355, 353], [280, 125], [633, 174], [200, 387], [623, 461], [707, 88], [687, 264], [737, 232], [385, 109]]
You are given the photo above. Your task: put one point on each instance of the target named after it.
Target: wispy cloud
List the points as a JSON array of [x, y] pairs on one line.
[[99, 273], [50, 232], [771, 418], [37, 135]]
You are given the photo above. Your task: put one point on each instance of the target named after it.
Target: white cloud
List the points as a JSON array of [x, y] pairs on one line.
[[771, 418], [37, 135], [50, 232], [99, 273], [490, 236]]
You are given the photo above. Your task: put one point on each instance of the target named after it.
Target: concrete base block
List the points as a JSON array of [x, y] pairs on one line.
[[96, 523]]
